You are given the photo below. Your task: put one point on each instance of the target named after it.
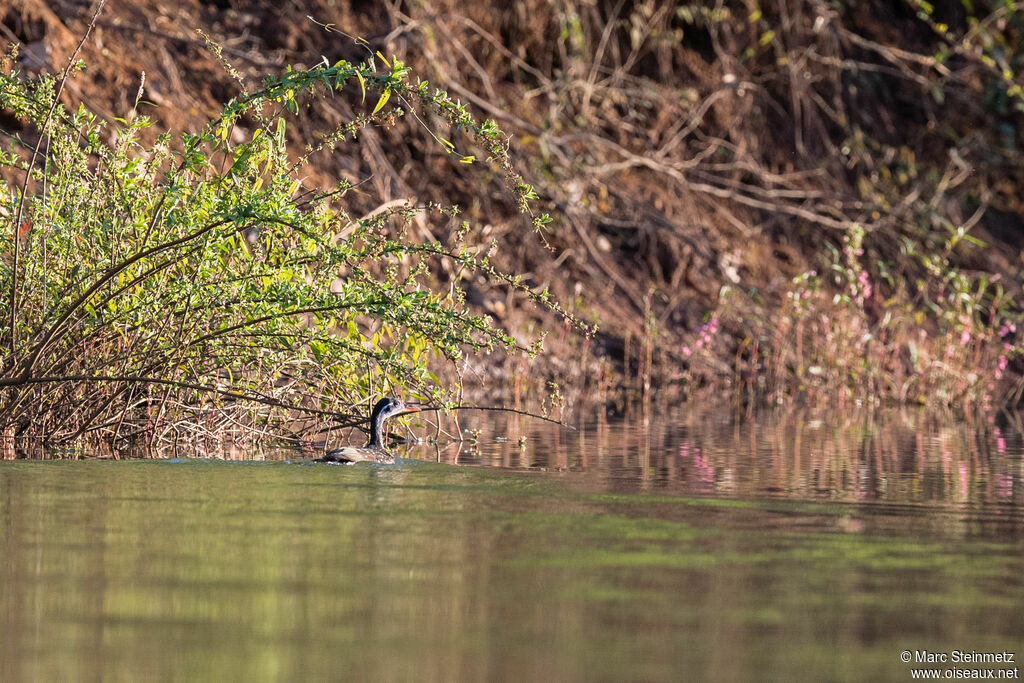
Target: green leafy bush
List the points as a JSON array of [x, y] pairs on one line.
[[161, 286]]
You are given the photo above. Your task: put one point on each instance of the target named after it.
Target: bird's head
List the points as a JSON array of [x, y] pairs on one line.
[[389, 407]]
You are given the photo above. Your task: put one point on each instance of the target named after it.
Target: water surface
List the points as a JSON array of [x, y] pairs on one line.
[[715, 548]]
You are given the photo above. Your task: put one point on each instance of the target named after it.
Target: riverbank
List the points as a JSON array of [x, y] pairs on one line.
[[820, 202]]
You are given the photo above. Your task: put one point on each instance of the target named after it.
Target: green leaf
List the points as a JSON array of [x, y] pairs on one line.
[[384, 97], [362, 86]]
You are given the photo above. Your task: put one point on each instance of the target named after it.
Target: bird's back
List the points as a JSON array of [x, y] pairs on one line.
[[353, 454]]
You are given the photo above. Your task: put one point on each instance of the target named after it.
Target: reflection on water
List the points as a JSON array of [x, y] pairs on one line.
[[896, 456], [703, 548]]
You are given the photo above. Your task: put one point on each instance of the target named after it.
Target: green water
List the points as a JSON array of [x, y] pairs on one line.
[[635, 553]]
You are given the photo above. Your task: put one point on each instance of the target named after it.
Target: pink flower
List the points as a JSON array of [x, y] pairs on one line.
[[687, 351], [965, 336]]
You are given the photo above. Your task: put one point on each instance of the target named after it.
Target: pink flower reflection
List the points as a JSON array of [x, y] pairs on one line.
[[1004, 486], [703, 469]]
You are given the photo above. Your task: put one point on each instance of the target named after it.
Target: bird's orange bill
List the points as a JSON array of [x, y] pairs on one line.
[[411, 409]]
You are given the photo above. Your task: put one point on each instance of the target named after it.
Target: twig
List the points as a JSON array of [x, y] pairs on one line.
[[28, 173], [141, 379], [499, 409], [894, 54], [611, 272], [250, 56]]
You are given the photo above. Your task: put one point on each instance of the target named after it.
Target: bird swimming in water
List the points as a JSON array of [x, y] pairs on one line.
[[373, 451]]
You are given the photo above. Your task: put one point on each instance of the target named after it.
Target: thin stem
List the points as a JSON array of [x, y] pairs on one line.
[[28, 175]]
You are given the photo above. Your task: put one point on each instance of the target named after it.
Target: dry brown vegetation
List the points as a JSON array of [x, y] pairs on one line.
[[686, 150]]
